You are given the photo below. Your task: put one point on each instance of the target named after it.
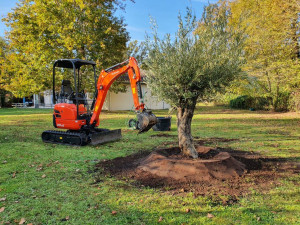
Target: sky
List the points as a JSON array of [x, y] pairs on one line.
[[137, 15]]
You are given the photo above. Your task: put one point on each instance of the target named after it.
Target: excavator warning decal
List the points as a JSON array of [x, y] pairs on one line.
[[133, 90]]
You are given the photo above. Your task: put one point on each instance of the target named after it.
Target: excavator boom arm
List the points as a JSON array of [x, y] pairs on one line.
[[108, 76]]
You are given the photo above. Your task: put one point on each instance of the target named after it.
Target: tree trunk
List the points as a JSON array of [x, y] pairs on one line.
[[184, 120]]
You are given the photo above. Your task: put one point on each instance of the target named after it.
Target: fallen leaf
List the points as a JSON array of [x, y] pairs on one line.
[[258, 218], [44, 175], [2, 209], [29, 224], [14, 175], [77, 170], [22, 221], [187, 210], [2, 199], [209, 215], [160, 219], [4, 162], [39, 168], [113, 212], [67, 217]]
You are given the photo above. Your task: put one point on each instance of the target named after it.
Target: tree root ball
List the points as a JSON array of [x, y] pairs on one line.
[[163, 163]]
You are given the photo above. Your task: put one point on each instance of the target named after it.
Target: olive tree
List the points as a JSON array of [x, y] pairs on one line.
[[202, 58]]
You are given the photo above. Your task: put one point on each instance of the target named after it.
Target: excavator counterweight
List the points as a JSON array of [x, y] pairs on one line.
[[81, 120]]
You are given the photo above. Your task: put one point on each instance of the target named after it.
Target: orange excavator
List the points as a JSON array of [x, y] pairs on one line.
[[73, 112]]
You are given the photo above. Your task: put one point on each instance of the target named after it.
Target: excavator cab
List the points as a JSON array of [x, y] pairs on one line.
[[80, 115], [72, 109]]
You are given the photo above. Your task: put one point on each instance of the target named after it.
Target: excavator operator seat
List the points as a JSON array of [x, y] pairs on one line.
[[66, 91], [66, 87]]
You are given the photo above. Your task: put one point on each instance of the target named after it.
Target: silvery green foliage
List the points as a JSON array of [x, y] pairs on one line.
[[202, 58]]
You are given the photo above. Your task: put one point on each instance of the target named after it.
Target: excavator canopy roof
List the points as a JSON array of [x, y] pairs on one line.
[[68, 63]]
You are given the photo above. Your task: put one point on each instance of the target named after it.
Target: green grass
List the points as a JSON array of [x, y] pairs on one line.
[[67, 189]]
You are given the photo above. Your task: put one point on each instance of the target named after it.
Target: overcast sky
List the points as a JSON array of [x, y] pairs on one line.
[[137, 15]]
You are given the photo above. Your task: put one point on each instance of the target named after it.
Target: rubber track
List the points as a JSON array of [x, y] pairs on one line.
[[64, 137]]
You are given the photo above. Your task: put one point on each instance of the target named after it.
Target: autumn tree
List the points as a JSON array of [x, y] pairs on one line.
[[272, 45], [3, 53], [42, 31], [201, 59]]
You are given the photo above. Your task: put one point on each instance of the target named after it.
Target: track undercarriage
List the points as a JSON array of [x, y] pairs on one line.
[[81, 138]]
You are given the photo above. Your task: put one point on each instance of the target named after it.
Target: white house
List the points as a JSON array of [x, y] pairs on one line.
[[119, 101]]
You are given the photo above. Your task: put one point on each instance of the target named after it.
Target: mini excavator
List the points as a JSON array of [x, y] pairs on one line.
[[72, 111]]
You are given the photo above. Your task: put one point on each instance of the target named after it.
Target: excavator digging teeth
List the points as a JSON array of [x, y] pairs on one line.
[[101, 136], [146, 120]]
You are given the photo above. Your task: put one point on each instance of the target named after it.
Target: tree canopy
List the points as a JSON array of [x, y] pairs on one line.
[[203, 58], [3, 53], [43, 31]]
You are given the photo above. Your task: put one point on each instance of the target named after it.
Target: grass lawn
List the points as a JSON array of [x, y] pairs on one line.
[[53, 184]]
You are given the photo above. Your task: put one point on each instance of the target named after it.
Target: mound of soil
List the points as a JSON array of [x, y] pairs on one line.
[[171, 165], [217, 171]]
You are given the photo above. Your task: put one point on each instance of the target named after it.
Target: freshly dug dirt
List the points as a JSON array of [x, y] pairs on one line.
[[217, 172], [163, 163]]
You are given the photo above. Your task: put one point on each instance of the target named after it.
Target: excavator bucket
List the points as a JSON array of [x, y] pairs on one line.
[[146, 120]]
